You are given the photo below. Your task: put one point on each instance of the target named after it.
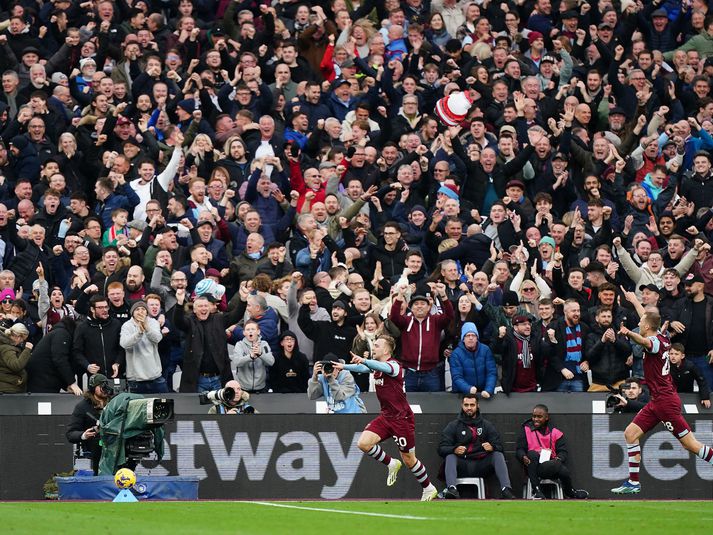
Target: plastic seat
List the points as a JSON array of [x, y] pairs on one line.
[[558, 494], [479, 482]]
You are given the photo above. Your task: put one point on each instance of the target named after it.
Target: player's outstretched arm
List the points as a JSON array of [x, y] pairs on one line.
[[358, 368], [635, 337], [631, 297], [389, 368]]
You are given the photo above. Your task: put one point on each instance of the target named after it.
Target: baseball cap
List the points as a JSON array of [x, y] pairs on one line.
[[517, 320], [416, 298], [339, 304], [507, 128], [96, 380], [561, 156], [515, 184], [205, 222], [693, 278], [651, 287]]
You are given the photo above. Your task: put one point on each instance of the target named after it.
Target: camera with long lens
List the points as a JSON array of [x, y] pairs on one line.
[[217, 397], [327, 366], [613, 400]]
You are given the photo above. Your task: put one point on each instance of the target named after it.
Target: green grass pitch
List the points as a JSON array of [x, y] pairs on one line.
[[352, 517]]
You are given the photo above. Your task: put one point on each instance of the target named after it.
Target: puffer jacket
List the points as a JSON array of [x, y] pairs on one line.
[[471, 433], [13, 359], [473, 368]]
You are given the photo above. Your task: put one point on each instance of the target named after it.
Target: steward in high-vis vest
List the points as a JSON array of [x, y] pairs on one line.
[[542, 448]]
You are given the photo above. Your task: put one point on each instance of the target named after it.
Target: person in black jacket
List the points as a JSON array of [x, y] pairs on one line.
[[96, 341], [50, 368], [692, 325], [290, 372], [388, 258], [335, 336], [82, 427], [606, 353], [206, 364], [471, 447], [542, 448], [684, 373]]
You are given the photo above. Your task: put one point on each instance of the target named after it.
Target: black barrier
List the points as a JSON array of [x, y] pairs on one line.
[[315, 456]]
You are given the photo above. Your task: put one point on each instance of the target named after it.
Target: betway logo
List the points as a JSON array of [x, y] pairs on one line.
[[659, 452], [301, 463]]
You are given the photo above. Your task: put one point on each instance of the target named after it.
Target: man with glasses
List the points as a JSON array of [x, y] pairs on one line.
[[96, 341]]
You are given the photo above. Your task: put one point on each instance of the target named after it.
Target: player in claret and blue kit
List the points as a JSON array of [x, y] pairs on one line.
[[396, 419], [664, 406]]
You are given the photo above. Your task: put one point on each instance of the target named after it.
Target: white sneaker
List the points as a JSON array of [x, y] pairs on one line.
[[394, 468], [429, 493]]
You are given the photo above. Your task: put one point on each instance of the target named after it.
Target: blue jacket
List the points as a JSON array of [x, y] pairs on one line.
[[473, 368], [123, 197]]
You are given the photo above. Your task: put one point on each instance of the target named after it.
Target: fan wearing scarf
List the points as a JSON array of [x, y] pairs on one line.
[[523, 355]]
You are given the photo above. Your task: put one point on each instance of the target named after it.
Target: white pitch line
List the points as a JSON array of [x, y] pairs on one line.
[[344, 512]]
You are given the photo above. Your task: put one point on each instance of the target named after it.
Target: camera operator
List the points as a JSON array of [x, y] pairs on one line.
[[237, 405], [338, 387], [83, 427], [632, 397]]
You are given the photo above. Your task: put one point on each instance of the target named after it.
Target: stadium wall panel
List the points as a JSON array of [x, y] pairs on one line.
[[269, 456]]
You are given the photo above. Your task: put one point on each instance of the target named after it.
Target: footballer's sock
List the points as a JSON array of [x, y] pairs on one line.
[[634, 451], [419, 472], [379, 454], [706, 454]]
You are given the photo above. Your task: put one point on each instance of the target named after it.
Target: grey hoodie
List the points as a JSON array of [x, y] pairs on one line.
[[252, 373], [143, 363]]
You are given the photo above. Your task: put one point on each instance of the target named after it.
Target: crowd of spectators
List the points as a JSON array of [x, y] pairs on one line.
[[238, 189]]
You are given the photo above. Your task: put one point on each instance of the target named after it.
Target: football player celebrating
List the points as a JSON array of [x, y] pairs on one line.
[[396, 419], [664, 406]]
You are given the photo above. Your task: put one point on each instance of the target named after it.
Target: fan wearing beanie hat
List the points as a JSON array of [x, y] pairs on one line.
[[453, 109], [473, 367], [140, 337]]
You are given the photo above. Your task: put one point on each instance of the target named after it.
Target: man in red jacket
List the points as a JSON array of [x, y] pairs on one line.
[[421, 331]]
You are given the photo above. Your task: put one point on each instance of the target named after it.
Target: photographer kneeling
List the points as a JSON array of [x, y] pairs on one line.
[[229, 400], [338, 387], [631, 397], [82, 428]]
